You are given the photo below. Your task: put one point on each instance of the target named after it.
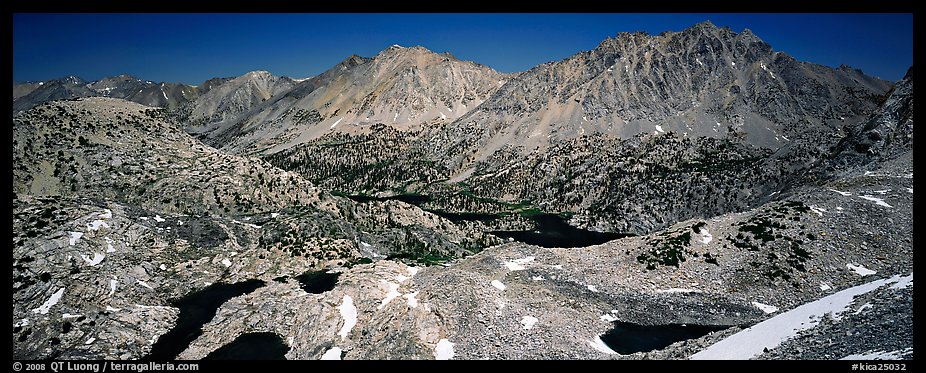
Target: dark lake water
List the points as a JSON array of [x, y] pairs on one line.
[[252, 346], [196, 309], [550, 230], [414, 199], [317, 282], [553, 231], [626, 338], [457, 217]]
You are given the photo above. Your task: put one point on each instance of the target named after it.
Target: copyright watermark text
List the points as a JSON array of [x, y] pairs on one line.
[[102, 367]]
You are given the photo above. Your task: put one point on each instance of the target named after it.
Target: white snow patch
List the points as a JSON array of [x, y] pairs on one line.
[[592, 288], [69, 316], [158, 219], [518, 264], [659, 128], [607, 318], [677, 290], [443, 350], [599, 345], [336, 122], [145, 284], [817, 210], [392, 292], [910, 190], [333, 353], [860, 270], [824, 286], [109, 245], [97, 258], [106, 214], [772, 332], [732, 63], [111, 309], [528, 322], [498, 284], [767, 70], [91, 340], [410, 298], [143, 218], [411, 273], [881, 192], [349, 313], [862, 308], [699, 62], [22, 322], [881, 355], [52, 300], [112, 286], [844, 194], [765, 308], [274, 215], [402, 278], [585, 119], [903, 283], [226, 262], [558, 266], [162, 267], [96, 224], [877, 201], [75, 238], [706, 236], [537, 278]]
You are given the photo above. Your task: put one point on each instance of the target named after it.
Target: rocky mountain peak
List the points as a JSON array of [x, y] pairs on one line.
[[416, 55], [352, 61], [260, 74], [702, 81], [399, 87]]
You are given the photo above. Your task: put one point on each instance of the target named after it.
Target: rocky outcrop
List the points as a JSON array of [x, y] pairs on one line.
[[398, 87], [236, 96], [703, 81], [887, 133]]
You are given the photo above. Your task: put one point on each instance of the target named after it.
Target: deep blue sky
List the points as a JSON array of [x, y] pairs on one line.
[[191, 48]]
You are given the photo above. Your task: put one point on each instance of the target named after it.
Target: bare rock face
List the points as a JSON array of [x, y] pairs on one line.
[[703, 81], [888, 132], [237, 96], [398, 87]]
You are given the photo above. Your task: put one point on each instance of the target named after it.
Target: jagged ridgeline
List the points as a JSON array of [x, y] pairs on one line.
[[642, 131], [729, 183]]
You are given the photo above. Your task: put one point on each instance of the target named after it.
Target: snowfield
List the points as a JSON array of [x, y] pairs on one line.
[[772, 332]]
